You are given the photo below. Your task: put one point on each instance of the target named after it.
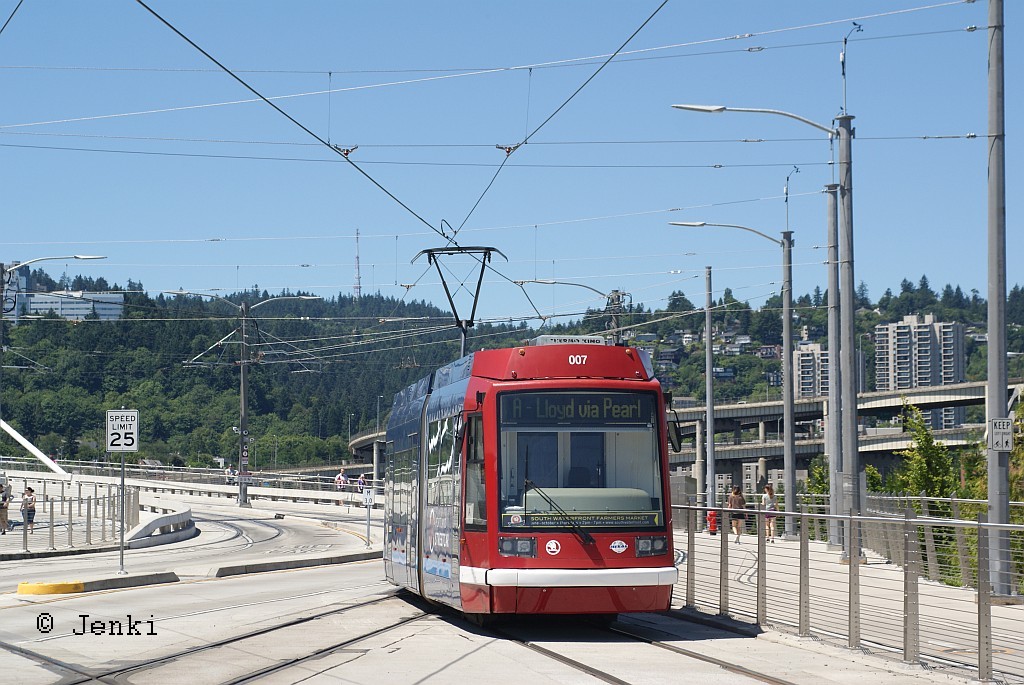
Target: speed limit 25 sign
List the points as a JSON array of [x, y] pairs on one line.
[[123, 430]]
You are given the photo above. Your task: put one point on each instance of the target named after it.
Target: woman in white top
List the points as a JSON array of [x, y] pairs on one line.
[[770, 505]]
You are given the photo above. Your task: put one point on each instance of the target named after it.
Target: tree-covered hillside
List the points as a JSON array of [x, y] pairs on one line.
[[317, 370], [319, 367]]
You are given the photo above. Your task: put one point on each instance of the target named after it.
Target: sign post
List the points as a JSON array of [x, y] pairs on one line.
[[1000, 435], [369, 494], [122, 436]]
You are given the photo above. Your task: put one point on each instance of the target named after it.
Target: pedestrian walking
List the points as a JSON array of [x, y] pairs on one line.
[[738, 514], [28, 508], [770, 504], [5, 505], [361, 483]]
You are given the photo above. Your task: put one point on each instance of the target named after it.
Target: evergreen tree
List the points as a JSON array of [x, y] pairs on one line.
[[927, 465]]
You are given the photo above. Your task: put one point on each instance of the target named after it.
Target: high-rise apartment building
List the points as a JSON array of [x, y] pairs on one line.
[[810, 371], [920, 352]]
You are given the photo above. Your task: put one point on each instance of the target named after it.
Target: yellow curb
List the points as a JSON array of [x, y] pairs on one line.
[[51, 588]]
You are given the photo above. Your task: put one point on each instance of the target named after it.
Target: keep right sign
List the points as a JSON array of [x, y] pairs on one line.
[[1000, 434]]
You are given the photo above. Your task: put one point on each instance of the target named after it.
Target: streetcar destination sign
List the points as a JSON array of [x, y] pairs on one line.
[[580, 408], [122, 430]]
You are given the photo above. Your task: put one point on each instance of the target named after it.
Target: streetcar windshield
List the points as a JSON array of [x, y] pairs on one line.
[[594, 454]]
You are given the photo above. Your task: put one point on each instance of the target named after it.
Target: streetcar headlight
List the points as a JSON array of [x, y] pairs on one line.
[[651, 546], [517, 547]]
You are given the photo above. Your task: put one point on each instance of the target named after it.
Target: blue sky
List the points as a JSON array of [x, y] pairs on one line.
[[118, 138]]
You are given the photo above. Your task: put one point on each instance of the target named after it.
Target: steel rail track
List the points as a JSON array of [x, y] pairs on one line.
[[721, 663]]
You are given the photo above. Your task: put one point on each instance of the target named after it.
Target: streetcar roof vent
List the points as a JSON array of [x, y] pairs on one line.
[[568, 340]]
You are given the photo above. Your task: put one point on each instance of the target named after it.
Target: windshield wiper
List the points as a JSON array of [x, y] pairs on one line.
[[585, 537]]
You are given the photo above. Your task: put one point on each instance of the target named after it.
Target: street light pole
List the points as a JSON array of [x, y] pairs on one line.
[[788, 414], [847, 328], [998, 457], [709, 392], [834, 425], [844, 133]]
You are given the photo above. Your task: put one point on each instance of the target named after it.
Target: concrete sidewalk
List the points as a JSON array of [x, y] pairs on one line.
[[948, 618]]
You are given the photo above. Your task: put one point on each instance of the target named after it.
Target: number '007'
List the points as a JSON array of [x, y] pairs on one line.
[[577, 359]]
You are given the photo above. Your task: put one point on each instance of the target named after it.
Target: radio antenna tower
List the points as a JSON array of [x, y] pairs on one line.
[[358, 289]]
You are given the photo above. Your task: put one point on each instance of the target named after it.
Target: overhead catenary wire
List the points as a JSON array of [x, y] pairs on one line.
[[558, 109], [285, 114], [11, 16], [307, 160], [488, 146], [860, 138], [349, 236], [574, 61]]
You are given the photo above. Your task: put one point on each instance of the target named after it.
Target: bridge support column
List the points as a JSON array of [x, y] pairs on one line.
[[376, 460], [762, 473], [762, 431]]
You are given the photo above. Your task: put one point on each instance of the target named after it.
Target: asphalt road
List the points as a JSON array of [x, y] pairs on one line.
[[227, 533]]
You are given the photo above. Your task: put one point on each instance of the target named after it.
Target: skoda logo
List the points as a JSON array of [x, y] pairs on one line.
[[552, 547]]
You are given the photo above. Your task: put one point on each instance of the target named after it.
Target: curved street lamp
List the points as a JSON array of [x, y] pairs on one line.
[[846, 352], [788, 447]]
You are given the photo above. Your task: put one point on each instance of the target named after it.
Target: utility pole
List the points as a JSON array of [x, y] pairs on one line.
[[709, 391], [834, 426], [243, 413], [995, 397], [847, 325], [788, 414]]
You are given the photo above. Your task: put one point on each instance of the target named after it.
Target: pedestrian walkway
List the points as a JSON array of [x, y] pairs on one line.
[[811, 593], [69, 518]]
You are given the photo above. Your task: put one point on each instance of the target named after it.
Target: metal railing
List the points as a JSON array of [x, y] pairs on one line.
[[66, 520], [884, 602], [180, 474]]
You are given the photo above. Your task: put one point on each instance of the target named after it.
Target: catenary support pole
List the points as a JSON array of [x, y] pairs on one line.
[[709, 387], [995, 398], [847, 347], [834, 427]]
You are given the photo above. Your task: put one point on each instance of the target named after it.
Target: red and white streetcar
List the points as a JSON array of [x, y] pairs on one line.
[[532, 480]]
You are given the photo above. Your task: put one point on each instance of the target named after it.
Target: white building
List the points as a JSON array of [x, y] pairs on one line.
[[810, 371], [921, 352], [74, 305]]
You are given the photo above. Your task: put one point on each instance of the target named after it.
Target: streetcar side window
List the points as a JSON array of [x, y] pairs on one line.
[[442, 462], [476, 475]]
